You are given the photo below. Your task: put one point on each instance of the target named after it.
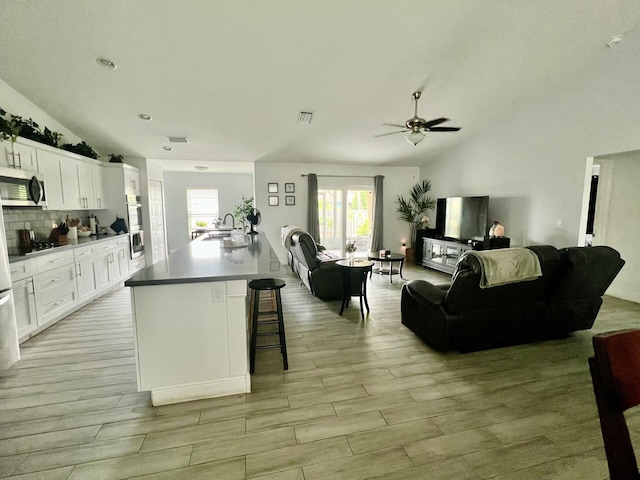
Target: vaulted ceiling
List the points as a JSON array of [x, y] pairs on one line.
[[232, 75]]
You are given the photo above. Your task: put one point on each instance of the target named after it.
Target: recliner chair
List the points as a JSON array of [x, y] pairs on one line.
[[316, 269]]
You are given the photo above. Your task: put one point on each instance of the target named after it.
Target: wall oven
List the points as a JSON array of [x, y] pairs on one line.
[[136, 235], [136, 242], [21, 188]]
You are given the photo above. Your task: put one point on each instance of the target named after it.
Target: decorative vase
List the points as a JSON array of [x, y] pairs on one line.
[[351, 257]]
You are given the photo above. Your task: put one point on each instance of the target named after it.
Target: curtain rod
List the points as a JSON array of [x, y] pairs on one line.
[[340, 176]]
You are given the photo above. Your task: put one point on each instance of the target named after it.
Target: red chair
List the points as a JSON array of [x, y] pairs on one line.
[[615, 372]]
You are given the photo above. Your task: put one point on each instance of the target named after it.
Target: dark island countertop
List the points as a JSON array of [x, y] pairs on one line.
[[206, 260]]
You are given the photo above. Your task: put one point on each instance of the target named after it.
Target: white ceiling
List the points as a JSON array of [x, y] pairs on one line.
[[232, 75]]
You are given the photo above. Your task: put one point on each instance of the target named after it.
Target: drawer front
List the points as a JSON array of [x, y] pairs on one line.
[[55, 283], [105, 247], [23, 269], [82, 253], [52, 308], [54, 260]]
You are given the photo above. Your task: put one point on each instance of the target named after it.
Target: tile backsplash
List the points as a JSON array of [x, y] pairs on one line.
[[40, 221]]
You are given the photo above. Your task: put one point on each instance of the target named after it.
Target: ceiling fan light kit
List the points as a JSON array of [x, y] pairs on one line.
[[415, 137]]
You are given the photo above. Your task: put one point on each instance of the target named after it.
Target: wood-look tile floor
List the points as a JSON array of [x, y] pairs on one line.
[[361, 399]]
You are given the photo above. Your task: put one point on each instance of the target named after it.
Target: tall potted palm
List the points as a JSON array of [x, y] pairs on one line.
[[414, 209]]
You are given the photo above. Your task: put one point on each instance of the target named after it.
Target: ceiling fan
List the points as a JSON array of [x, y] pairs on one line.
[[418, 126]]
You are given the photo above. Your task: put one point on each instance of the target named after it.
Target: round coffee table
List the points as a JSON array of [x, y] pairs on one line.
[[354, 282], [392, 257]]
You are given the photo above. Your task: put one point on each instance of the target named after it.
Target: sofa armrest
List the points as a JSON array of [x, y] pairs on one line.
[[426, 293]]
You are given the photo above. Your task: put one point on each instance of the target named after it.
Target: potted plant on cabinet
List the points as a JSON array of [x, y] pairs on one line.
[[413, 210]]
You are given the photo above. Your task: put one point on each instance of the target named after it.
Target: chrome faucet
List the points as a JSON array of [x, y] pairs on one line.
[[233, 220]]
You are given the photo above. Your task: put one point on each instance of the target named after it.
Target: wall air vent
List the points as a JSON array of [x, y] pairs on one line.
[[178, 139], [304, 118]]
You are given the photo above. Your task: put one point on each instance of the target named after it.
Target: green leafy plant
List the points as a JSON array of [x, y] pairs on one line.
[[113, 158], [413, 209], [9, 127], [350, 247], [201, 223], [81, 149], [243, 209]]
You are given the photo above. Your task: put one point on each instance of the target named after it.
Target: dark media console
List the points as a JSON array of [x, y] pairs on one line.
[[442, 254]]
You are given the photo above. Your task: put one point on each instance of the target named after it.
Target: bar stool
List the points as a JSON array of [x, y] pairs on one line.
[[272, 285]]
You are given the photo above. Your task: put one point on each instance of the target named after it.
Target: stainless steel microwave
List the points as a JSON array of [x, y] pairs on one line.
[[21, 188]]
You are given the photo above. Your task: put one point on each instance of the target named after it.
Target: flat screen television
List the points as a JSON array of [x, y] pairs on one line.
[[462, 218]]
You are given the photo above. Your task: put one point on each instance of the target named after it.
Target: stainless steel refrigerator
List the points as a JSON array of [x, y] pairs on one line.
[[9, 348]]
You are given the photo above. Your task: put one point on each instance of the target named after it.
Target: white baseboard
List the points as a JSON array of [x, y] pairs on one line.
[[198, 391]]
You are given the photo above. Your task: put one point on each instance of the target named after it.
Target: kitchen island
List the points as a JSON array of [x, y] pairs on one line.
[[190, 319]]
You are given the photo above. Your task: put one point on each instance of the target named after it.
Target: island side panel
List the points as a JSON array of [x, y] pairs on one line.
[[185, 348]]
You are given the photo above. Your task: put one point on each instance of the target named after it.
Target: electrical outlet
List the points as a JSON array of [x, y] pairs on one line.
[[217, 292]]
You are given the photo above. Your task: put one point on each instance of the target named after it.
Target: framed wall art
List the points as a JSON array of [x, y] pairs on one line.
[[289, 188], [274, 200], [272, 187], [289, 200]]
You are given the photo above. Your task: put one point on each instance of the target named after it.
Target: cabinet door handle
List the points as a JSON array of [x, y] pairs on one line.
[[78, 269], [59, 302], [55, 261], [57, 279], [19, 160]]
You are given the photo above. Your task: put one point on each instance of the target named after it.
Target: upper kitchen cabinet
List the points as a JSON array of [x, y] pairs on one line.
[[72, 182], [131, 180], [18, 155]]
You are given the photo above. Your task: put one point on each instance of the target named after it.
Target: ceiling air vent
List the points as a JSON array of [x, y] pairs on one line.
[[178, 139], [304, 118]]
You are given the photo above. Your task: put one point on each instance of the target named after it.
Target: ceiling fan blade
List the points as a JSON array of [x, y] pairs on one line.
[[394, 125], [444, 129], [391, 133], [434, 122]]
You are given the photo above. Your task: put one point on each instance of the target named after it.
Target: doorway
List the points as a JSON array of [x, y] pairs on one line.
[[346, 215], [615, 215]]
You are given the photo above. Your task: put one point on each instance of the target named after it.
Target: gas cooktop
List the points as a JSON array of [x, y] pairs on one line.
[[35, 248]]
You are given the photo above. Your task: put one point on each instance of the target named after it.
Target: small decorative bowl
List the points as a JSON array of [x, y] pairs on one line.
[[86, 233]]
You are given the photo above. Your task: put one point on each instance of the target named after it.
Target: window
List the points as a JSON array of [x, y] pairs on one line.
[[354, 217], [202, 207]]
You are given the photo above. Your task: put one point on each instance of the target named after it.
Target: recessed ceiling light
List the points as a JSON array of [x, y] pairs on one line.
[[201, 168], [613, 41], [167, 148], [144, 116], [106, 63]]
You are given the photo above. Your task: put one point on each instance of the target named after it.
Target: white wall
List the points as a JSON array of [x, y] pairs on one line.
[[617, 221], [231, 187], [15, 103], [397, 181], [531, 163]]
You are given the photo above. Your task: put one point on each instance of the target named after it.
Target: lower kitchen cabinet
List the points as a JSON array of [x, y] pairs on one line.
[[24, 300], [85, 272], [56, 291], [50, 286]]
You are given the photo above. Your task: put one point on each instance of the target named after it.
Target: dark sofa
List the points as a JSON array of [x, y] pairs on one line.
[[464, 317], [316, 269]]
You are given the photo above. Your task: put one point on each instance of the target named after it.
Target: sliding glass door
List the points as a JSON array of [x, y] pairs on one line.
[[345, 215]]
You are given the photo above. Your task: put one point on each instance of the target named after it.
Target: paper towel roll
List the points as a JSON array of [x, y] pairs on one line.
[[72, 234], [92, 225]]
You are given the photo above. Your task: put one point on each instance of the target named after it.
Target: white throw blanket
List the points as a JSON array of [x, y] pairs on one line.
[[507, 265], [286, 233]]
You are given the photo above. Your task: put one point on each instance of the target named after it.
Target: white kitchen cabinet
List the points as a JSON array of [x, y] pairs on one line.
[[123, 256], [53, 260], [85, 272], [49, 165], [24, 302], [23, 269], [70, 184], [131, 181], [18, 155], [56, 293], [98, 188], [85, 185], [107, 269]]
